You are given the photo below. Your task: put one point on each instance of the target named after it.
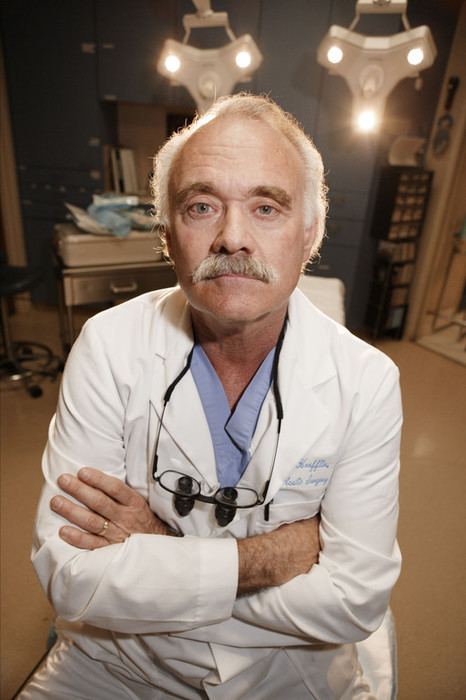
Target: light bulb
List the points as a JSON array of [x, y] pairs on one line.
[[334, 54], [415, 56], [172, 63], [243, 59], [367, 120]]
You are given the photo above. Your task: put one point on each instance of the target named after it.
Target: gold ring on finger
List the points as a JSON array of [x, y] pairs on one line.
[[104, 529]]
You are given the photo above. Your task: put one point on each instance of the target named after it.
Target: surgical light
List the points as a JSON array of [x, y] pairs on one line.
[[373, 65], [367, 120], [243, 59], [415, 56], [208, 73], [335, 54], [172, 63]]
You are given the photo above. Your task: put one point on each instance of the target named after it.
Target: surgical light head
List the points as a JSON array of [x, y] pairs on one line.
[[208, 73], [373, 65]]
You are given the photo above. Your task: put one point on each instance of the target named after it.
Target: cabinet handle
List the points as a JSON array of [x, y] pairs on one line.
[[115, 289]]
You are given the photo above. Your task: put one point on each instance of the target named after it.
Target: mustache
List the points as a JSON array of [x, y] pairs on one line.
[[222, 264]]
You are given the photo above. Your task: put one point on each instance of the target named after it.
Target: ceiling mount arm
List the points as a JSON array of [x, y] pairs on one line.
[[203, 7], [205, 17], [385, 7]]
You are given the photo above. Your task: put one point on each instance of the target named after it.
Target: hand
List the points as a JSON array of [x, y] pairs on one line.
[[276, 557], [112, 510]]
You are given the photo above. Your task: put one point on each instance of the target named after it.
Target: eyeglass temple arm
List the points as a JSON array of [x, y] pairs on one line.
[[166, 399]]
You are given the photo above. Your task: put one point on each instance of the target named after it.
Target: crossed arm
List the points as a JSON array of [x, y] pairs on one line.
[[111, 511]]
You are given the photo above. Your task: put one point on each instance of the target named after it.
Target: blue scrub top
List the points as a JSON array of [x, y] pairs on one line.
[[231, 431]]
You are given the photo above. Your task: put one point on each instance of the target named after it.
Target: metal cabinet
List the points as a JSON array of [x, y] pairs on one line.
[[105, 284]]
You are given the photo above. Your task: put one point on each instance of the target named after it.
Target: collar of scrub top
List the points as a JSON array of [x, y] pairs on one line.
[[217, 498], [231, 430]]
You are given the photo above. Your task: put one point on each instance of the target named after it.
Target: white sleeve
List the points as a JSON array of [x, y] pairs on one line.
[[343, 598], [149, 583]]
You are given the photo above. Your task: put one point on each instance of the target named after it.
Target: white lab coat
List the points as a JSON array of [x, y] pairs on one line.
[[163, 611]]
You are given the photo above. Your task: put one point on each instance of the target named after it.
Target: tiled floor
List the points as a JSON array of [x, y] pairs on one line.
[[430, 599]]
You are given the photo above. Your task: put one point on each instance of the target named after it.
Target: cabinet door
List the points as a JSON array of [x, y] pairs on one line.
[[50, 67], [130, 37]]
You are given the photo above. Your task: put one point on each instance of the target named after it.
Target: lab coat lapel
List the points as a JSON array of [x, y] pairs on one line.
[[305, 364], [184, 419], [187, 426]]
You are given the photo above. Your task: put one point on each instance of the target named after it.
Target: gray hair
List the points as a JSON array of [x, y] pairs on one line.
[[251, 107]]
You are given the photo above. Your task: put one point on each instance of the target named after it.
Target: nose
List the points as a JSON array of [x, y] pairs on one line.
[[233, 235]]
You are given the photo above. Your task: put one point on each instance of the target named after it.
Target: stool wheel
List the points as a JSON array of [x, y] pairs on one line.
[[34, 391]]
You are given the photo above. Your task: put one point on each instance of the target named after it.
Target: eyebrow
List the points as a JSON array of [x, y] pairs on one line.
[[278, 194], [196, 187]]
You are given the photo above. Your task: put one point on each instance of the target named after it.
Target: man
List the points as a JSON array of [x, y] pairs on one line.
[[232, 412]]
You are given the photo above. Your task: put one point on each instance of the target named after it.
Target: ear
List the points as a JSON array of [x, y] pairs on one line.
[[308, 240]]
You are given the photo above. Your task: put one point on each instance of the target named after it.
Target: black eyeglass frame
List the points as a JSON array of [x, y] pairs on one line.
[[216, 499]]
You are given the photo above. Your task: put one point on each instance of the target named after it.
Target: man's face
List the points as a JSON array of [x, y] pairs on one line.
[[237, 189]]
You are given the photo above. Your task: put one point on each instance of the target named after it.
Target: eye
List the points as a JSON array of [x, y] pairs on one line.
[[266, 210], [200, 208]]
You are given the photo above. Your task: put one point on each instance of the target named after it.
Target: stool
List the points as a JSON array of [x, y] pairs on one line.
[[23, 361]]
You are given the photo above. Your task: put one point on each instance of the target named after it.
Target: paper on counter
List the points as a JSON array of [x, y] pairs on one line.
[[85, 222]]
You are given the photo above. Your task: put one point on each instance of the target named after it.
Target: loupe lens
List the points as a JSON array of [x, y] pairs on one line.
[[224, 514], [225, 509], [184, 485], [183, 499]]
